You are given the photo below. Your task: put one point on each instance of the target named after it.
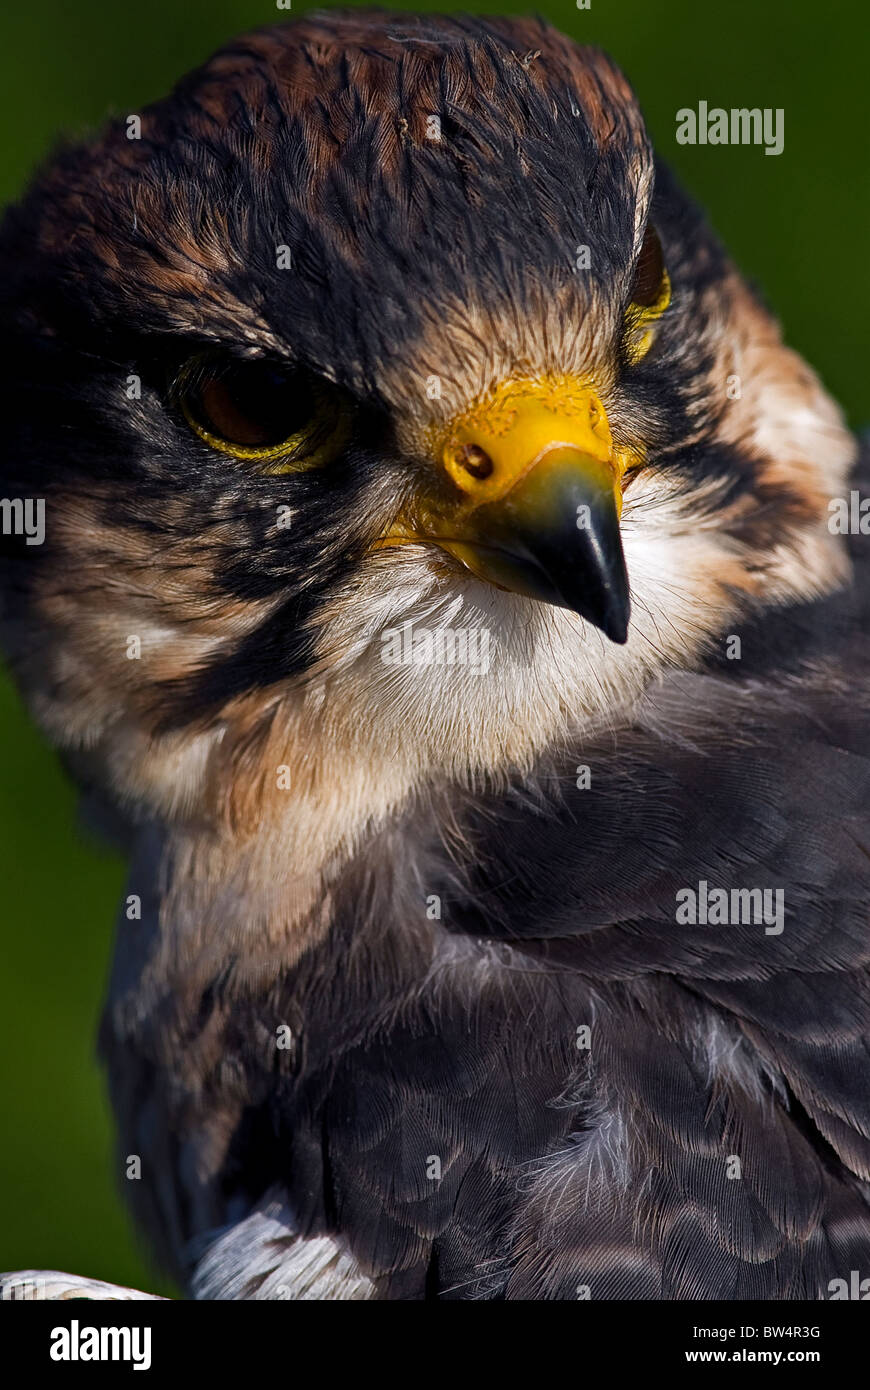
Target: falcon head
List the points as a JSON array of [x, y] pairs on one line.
[[380, 326]]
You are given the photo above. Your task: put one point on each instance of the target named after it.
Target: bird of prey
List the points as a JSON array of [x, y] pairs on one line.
[[439, 592]]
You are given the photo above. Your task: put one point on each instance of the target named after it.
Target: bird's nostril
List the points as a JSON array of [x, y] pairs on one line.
[[475, 460]]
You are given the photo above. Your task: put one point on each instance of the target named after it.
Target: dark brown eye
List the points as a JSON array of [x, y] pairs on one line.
[[254, 404], [263, 410], [647, 286]]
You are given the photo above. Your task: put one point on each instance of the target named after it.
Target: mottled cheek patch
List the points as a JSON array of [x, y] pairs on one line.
[[147, 615]]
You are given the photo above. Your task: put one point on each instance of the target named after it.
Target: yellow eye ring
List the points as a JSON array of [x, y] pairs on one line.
[[640, 322], [293, 445], [312, 445]]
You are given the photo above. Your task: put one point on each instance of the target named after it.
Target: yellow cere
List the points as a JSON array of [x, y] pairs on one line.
[[512, 427]]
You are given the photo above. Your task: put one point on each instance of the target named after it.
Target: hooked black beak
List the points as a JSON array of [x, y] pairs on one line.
[[555, 536], [535, 497]]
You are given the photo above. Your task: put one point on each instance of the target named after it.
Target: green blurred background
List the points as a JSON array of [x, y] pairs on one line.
[[797, 224]]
